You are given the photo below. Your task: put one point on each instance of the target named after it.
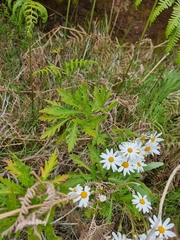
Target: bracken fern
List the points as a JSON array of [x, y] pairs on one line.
[[172, 30]]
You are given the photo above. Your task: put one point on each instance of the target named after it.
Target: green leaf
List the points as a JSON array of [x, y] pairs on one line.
[[8, 186], [109, 216], [60, 111], [20, 170], [49, 166], [50, 131], [153, 165], [79, 162], [72, 136]]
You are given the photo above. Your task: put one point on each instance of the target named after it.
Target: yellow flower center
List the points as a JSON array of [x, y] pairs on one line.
[[147, 149], [84, 194], [125, 164], [111, 159], [153, 139], [143, 138], [161, 229], [141, 201], [139, 164], [74, 190], [130, 150]]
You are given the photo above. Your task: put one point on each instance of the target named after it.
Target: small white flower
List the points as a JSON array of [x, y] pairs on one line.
[[139, 164], [144, 236], [141, 203], [102, 197], [140, 149], [129, 150], [162, 230], [151, 148], [83, 197], [110, 160], [119, 236], [75, 190], [154, 137], [126, 167], [144, 137]]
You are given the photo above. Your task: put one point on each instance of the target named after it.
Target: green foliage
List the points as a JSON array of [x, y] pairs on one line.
[[155, 95], [172, 30], [66, 69], [80, 114], [21, 171], [29, 11], [17, 199]]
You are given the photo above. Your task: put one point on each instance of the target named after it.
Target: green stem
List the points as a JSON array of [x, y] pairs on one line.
[[67, 14], [140, 40], [31, 79], [92, 13]]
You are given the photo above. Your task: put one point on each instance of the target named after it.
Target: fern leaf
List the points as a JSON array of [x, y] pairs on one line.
[[178, 58], [60, 178], [68, 98], [9, 187], [79, 162], [72, 136], [174, 20], [100, 98], [20, 170], [173, 39], [94, 154], [60, 111], [49, 70], [50, 131], [137, 3], [162, 5], [49, 166], [31, 11]]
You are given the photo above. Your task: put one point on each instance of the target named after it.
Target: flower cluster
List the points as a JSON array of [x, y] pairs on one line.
[[162, 231], [131, 155], [130, 158]]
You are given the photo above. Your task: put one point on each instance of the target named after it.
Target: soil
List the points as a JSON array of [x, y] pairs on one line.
[[128, 22]]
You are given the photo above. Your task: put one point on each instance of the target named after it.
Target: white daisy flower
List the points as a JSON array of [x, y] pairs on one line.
[[144, 137], [140, 149], [144, 236], [126, 167], [110, 159], [141, 203], [151, 148], [154, 137], [119, 236], [162, 230], [129, 150], [139, 164], [83, 197], [75, 190]]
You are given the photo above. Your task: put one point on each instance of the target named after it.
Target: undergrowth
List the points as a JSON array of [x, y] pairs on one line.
[[86, 102]]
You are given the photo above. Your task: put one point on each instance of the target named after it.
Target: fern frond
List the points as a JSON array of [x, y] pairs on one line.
[[73, 65], [79, 162], [60, 111], [72, 136], [173, 39], [49, 71], [162, 5], [178, 57], [49, 166], [20, 170], [137, 3], [30, 12], [174, 20], [50, 131]]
